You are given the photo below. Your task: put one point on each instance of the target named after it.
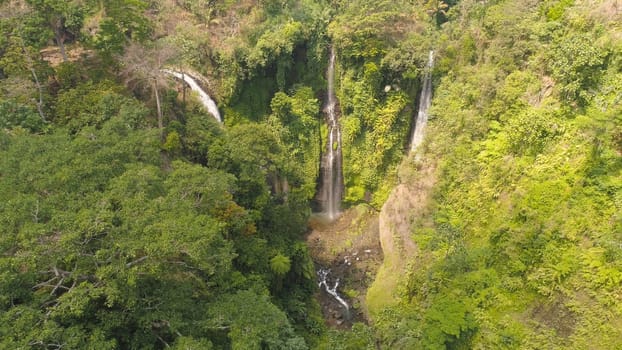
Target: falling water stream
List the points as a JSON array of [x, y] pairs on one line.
[[331, 190], [332, 179], [323, 277], [424, 105], [206, 100]]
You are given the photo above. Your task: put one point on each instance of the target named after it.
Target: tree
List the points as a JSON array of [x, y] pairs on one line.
[[576, 62], [437, 9], [252, 322], [92, 104], [106, 251], [280, 264], [64, 19], [143, 67], [115, 23], [19, 53]]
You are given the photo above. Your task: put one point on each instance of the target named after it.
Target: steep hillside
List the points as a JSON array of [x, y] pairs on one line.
[[525, 246]]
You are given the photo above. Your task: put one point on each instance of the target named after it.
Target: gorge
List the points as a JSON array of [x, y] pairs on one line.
[[392, 174]]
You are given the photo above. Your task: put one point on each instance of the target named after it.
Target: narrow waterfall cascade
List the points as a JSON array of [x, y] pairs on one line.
[[323, 277], [206, 100], [332, 177], [424, 104]]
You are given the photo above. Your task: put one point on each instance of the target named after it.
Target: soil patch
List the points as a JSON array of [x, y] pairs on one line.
[[74, 52]]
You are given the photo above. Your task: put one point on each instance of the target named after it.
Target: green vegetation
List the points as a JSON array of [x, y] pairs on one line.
[[129, 218], [379, 44], [106, 246], [524, 250]]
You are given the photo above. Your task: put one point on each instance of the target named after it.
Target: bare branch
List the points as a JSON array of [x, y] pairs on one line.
[[31, 68], [164, 342], [59, 284], [44, 284], [137, 261]]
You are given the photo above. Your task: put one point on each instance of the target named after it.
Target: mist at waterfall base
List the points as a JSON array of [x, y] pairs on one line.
[[205, 99], [331, 190], [424, 105]]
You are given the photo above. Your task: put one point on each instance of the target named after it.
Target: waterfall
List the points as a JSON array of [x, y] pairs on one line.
[[323, 278], [206, 100], [332, 177], [424, 104]]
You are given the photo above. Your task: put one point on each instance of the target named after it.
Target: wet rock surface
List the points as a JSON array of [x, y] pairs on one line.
[[349, 248]]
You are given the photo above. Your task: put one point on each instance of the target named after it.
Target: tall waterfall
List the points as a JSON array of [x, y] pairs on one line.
[[424, 104], [332, 177], [206, 100]]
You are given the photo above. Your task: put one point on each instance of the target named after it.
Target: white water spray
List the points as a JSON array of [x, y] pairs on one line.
[[205, 99], [424, 104], [323, 278]]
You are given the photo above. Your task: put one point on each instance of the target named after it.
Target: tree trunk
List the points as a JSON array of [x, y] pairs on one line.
[[40, 102], [159, 107], [60, 40], [183, 90], [34, 75], [166, 161]]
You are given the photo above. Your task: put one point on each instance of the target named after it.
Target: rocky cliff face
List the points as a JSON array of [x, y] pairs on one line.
[[409, 201]]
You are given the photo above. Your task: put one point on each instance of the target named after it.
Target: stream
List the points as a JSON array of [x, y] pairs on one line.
[[324, 280]]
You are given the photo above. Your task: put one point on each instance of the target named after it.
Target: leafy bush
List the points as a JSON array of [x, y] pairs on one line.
[[14, 115]]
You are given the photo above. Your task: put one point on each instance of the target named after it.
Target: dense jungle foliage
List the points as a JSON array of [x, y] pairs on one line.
[[521, 245], [131, 219]]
